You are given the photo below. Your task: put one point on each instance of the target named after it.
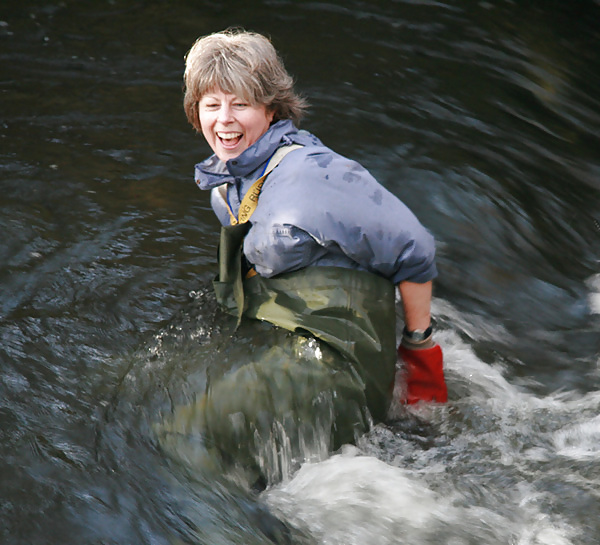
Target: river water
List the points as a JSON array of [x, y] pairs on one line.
[[483, 116]]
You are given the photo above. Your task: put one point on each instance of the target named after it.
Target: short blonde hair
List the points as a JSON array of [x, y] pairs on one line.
[[242, 63]]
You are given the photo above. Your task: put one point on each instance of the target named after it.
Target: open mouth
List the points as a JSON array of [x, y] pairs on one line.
[[229, 139]]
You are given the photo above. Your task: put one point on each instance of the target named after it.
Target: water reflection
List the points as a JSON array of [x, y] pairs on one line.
[[482, 116]]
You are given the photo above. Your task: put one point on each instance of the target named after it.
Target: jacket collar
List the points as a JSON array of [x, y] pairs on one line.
[[213, 172]]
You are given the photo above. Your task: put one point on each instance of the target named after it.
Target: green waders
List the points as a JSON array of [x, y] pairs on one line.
[[302, 389], [352, 311]]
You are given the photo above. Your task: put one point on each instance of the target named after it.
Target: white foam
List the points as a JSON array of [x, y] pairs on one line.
[[353, 499], [439, 493], [593, 284], [580, 441]]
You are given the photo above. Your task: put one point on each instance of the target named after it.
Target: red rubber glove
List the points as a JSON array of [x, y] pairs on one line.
[[423, 374]]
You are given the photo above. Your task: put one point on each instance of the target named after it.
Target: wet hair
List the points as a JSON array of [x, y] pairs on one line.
[[244, 64]]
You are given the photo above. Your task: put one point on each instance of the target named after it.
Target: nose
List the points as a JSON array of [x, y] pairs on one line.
[[225, 114]]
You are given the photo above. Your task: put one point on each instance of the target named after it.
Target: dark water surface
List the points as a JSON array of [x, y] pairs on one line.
[[484, 117]]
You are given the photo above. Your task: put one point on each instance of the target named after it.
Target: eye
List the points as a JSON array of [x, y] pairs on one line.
[[208, 103], [240, 105]]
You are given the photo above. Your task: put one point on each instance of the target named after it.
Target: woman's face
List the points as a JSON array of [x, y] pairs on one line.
[[231, 125]]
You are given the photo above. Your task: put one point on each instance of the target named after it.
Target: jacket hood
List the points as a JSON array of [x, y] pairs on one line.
[[213, 172]]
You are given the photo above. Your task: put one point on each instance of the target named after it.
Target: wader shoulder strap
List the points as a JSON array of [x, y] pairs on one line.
[[229, 282], [250, 200]]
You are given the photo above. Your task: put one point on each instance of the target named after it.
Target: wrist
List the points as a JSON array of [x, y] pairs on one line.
[[417, 335], [417, 338]]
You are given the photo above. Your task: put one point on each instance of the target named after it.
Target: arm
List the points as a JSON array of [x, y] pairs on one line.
[[416, 301], [422, 376]]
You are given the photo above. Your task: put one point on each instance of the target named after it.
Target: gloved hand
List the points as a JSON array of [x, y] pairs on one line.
[[423, 371]]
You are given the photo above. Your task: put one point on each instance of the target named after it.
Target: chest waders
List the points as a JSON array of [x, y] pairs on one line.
[[302, 393]]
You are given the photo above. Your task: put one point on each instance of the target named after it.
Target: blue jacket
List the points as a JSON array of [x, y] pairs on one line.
[[318, 208]]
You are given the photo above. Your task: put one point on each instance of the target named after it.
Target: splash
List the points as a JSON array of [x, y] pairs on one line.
[[487, 468]]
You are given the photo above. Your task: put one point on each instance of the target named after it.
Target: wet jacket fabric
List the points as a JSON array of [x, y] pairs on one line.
[[318, 208]]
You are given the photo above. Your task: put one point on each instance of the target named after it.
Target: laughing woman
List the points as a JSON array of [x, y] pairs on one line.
[[311, 249]]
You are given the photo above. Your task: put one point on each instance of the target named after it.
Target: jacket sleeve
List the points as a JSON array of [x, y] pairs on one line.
[[342, 205]]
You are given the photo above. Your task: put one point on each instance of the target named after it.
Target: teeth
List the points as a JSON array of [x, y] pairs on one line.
[[229, 135]]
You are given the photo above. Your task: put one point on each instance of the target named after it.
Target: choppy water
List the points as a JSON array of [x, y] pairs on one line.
[[483, 116]]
